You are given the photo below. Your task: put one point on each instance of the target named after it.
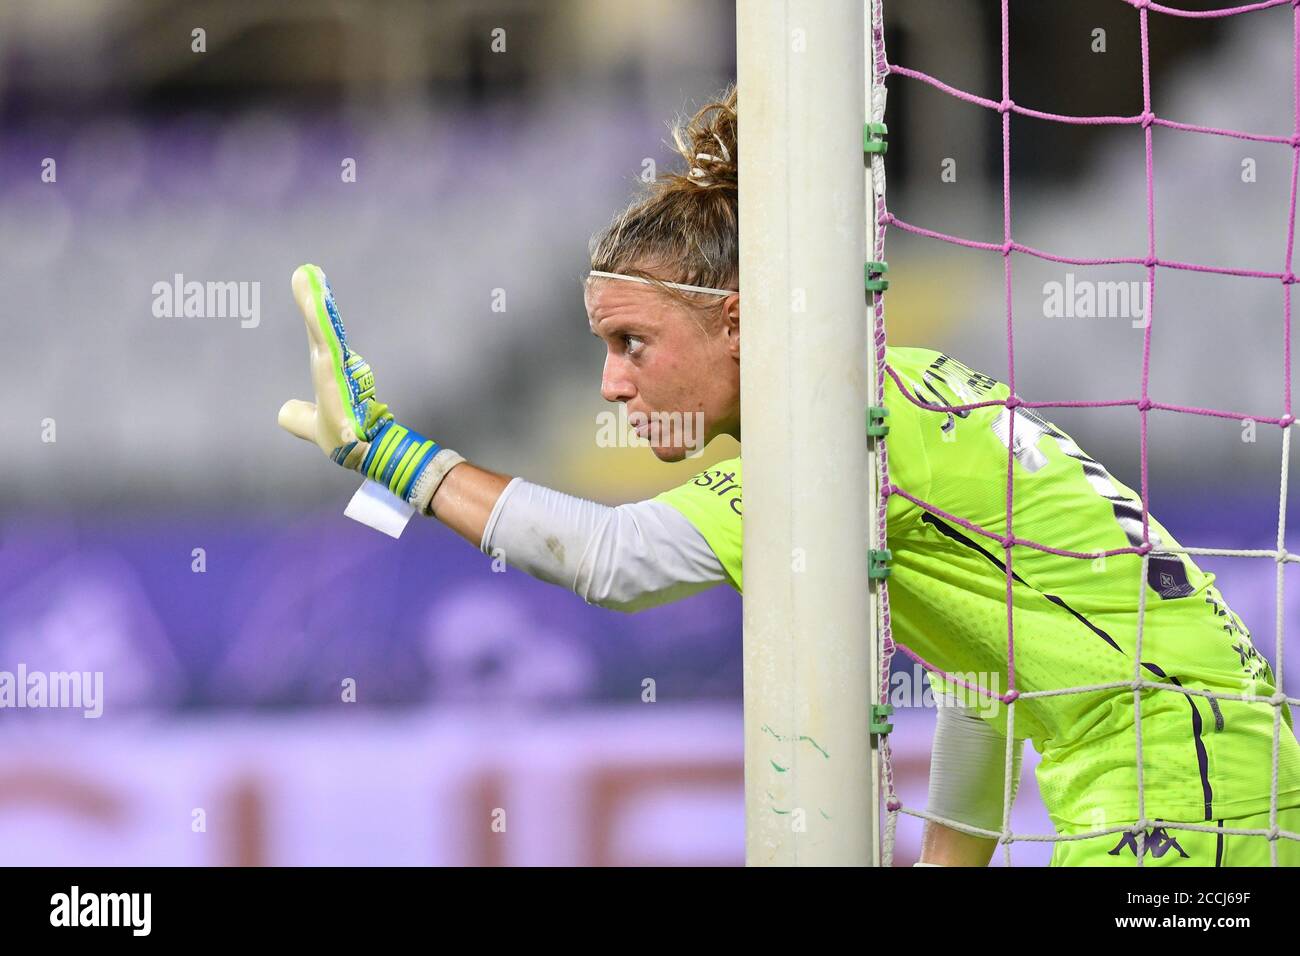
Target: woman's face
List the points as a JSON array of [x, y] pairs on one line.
[[680, 383]]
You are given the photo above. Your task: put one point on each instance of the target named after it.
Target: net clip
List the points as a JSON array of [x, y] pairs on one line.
[[878, 563], [875, 280], [878, 714], [876, 427], [872, 138]]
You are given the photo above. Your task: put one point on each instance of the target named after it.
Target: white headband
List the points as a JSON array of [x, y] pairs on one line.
[[675, 285]]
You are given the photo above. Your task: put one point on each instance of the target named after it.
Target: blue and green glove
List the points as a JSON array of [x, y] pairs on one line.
[[347, 422]]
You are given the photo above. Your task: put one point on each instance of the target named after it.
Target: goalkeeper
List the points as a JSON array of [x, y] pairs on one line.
[[662, 298]]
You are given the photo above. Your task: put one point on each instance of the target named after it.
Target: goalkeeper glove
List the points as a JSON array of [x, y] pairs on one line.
[[347, 422]]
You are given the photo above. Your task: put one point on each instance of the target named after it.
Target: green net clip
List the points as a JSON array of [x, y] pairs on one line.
[[874, 276], [876, 427], [878, 714], [878, 563], [871, 141]]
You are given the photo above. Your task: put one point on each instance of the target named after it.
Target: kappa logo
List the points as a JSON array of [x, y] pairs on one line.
[[1158, 843]]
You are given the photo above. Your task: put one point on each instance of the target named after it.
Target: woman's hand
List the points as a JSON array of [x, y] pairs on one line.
[[347, 422]]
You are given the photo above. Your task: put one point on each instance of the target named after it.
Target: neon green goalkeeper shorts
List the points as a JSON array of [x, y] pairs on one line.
[[1170, 846]]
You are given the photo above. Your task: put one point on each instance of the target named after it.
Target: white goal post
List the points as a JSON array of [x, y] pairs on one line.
[[811, 776]]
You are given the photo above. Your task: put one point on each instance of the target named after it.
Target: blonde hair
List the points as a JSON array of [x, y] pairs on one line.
[[686, 226]]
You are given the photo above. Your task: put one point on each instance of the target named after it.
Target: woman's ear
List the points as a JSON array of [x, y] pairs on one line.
[[731, 322]]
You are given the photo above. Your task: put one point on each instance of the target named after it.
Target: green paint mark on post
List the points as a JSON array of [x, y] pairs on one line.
[[819, 749], [769, 730]]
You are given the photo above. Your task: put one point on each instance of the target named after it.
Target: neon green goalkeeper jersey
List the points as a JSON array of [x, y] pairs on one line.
[[1075, 619]]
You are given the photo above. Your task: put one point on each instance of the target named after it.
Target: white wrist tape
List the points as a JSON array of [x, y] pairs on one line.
[[375, 506], [425, 486]]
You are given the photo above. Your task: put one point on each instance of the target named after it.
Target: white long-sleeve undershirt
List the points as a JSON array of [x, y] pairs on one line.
[[968, 767], [627, 557]]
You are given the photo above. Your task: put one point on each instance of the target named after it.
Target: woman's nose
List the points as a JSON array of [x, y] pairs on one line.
[[614, 383]]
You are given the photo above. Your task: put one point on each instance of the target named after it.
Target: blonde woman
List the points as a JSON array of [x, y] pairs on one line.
[[663, 297]]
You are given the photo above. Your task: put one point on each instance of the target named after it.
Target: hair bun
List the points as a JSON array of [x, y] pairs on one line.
[[684, 227], [707, 142]]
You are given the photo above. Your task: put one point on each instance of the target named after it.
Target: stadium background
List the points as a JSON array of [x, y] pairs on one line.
[[480, 171]]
